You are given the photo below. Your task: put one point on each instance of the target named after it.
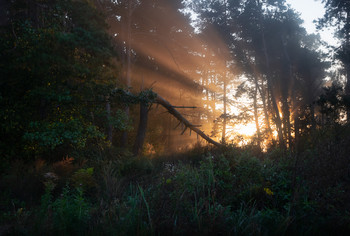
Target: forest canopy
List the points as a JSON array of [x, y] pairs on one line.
[[252, 72]]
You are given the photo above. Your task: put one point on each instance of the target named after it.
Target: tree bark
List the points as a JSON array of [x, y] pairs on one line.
[[256, 115], [141, 131], [109, 125], [184, 121], [272, 94], [296, 131], [286, 106], [270, 85], [223, 139], [347, 65], [265, 108], [347, 87], [124, 139]]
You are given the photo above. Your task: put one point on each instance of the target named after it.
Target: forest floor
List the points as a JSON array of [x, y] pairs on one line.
[[206, 191]]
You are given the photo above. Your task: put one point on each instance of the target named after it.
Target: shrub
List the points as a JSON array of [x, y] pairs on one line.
[[84, 179], [68, 214]]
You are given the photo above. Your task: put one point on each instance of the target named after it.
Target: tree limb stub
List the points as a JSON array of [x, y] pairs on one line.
[[183, 107], [184, 121]]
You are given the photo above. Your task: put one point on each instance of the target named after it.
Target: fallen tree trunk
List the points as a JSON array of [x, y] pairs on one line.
[[184, 121]]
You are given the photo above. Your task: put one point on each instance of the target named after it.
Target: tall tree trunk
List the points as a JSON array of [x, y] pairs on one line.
[[347, 91], [347, 65], [286, 93], [286, 121], [223, 140], [277, 118], [296, 119], [213, 97], [171, 138], [272, 95], [313, 120], [124, 140], [270, 85], [265, 108], [256, 114], [206, 86], [347, 85], [296, 131], [109, 125], [141, 131]]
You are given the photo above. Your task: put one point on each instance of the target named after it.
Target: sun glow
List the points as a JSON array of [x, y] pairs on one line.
[[241, 134], [245, 129]]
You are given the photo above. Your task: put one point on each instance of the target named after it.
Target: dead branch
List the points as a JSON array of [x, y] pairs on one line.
[[184, 121], [184, 107]]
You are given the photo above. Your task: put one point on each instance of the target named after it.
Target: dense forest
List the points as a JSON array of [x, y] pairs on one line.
[[173, 117]]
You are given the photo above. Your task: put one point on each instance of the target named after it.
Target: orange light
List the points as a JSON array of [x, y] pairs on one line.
[[246, 129], [274, 134]]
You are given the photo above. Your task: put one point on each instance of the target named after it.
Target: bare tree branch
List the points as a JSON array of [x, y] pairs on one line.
[[184, 121]]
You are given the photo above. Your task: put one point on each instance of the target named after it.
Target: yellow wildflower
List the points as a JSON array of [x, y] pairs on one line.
[[268, 191]]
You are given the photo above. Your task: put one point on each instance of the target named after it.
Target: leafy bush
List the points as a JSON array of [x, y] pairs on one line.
[[84, 179], [68, 214]]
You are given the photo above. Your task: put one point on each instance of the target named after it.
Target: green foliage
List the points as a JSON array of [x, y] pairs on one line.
[[70, 133], [14, 210], [133, 214], [57, 68], [130, 165], [119, 120], [71, 212], [145, 96], [68, 214], [84, 179], [248, 168], [213, 193], [243, 221], [332, 104]]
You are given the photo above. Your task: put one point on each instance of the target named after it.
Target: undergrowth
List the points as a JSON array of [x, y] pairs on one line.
[[228, 191]]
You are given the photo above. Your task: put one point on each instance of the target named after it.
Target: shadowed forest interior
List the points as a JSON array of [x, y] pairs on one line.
[[173, 117]]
